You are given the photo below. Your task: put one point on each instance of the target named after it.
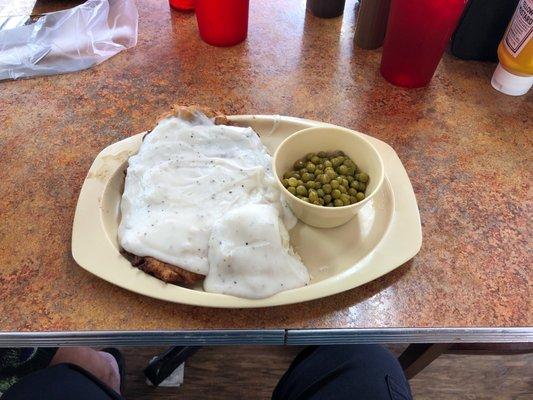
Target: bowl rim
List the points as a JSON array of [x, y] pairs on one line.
[[381, 177]]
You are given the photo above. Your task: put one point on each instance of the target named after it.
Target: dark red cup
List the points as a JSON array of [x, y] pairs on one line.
[[222, 22], [182, 5], [417, 34]]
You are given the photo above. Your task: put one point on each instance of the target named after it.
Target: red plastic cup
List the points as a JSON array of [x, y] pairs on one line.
[[182, 5], [222, 22], [417, 34]]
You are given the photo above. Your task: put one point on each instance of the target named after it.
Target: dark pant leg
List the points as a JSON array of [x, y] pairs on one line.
[[61, 382], [344, 372]]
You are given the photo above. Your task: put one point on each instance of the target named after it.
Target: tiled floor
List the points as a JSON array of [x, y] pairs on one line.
[[248, 372]]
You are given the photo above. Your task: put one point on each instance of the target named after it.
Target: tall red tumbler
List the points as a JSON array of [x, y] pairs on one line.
[[417, 34], [222, 22], [182, 5]]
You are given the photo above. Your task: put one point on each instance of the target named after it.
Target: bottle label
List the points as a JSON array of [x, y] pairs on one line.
[[520, 29]]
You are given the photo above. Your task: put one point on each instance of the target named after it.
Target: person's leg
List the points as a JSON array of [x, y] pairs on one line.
[[61, 382], [344, 372], [100, 364]]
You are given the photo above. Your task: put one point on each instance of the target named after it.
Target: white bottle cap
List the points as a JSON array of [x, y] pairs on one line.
[[513, 85]]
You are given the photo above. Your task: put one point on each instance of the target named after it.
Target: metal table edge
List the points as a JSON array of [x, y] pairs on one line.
[[268, 337], [409, 335], [144, 338]]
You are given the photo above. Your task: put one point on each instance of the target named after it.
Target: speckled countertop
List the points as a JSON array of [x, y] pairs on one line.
[[467, 149]]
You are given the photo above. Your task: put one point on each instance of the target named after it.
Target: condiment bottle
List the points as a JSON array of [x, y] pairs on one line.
[[326, 8], [371, 23], [182, 5], [481, 28], [417, 34], [514, 73]]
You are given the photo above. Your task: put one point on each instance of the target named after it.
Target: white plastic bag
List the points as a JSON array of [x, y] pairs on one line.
[[69, 40]]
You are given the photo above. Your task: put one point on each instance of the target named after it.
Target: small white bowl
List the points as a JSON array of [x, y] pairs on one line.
[[313, 140]]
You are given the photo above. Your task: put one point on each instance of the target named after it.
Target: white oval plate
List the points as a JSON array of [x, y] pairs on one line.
[[385, 234]]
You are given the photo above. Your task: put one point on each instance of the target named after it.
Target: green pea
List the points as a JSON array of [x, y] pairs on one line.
[[338, 203], [324, 178], [319, 166], [315, 202], [328, 163], [318, 185], [292, 189], [348, 163], [360, 196], [331, 174], [345, 183], [336, 162], [320, 193], [299, 164], [306, 177], [310, 167], [330, 204], [306, 199], [315, 160], [303, 171], [336, 193], [313, 196], [350, 178], [362, 177], [362, 187], [352, 191], [334, 184], [345, 199], [301, 190], [354, 184], [288, 174], [310, 185], [300, 182], [321, 201], [327, 198], [318, 172], [343, 189], [296, 175], [321, 154], [293, 181], [327, 188], [351, 171], [343, 170], [353, 200], [309, 156]]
